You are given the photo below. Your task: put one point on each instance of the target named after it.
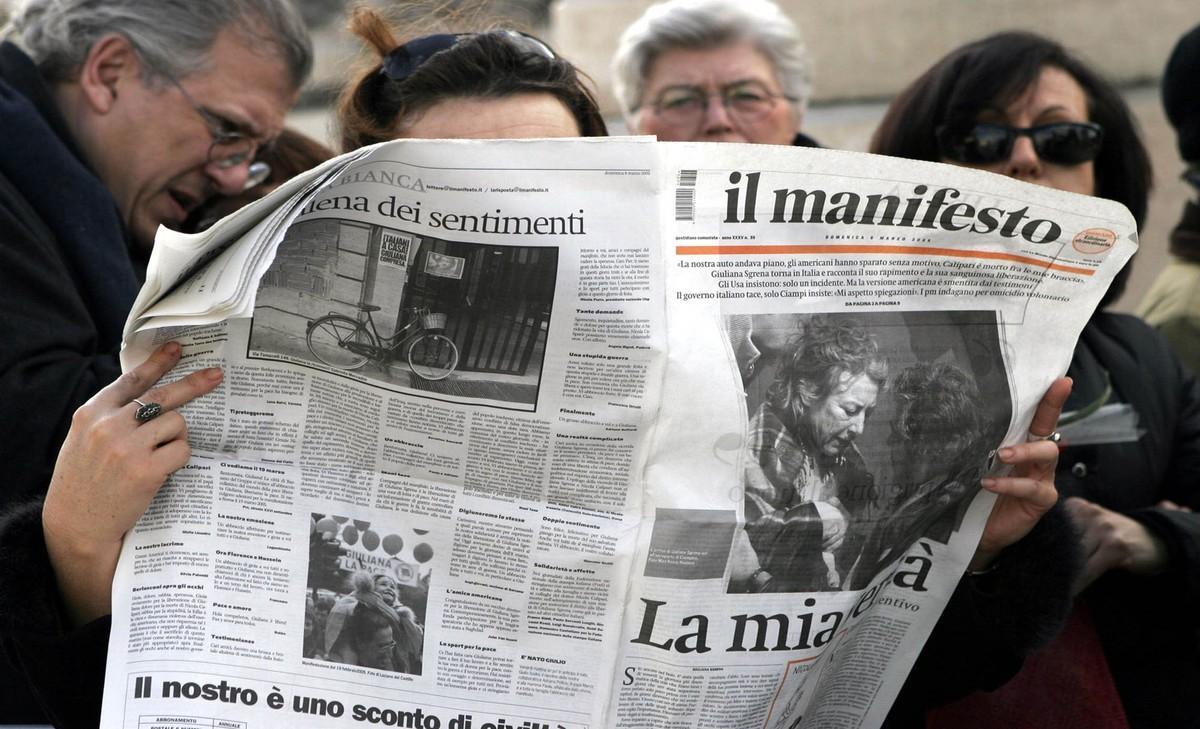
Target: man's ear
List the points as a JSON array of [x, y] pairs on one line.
[[110, 66]]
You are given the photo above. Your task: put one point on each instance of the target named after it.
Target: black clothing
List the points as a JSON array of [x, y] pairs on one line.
[[803, 140], [1149, 627], [66, 279], [1185, 237], [992, 621], [49, 674]]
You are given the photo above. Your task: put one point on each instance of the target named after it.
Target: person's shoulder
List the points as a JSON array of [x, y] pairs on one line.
[[1175, 294], [1150, 350]]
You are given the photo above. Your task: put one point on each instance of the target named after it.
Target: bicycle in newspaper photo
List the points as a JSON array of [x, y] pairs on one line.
[[347, 343]]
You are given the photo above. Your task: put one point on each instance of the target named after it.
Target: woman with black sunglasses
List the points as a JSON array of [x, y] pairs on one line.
[[1021, 105]]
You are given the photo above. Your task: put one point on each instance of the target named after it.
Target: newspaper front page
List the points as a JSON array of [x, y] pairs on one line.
[[587, 433]]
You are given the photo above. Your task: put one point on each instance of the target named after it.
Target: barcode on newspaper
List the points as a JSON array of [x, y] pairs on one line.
[[685, 196]]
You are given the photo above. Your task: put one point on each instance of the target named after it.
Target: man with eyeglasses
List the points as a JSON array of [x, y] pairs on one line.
[[119, 117]]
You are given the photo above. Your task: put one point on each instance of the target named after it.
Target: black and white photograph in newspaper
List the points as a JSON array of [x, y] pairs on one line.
[[464, 321], [866, 433], [367, 593]]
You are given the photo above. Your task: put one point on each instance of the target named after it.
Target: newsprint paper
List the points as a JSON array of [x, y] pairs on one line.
[[587, 433]]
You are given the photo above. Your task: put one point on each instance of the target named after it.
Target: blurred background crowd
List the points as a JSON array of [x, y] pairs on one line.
[[863, 52]]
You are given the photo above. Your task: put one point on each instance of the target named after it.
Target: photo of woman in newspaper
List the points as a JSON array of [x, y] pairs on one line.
[[847, 462], [367, 596], [938, 455]]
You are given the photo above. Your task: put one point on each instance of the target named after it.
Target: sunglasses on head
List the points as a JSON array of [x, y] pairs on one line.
[[1061, 143], [404, 60]]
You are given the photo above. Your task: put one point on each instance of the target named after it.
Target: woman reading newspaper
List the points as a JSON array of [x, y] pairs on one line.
[[59, 559], [1020, 105]]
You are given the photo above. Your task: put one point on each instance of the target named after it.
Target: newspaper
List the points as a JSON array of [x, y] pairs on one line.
[[587, 433]]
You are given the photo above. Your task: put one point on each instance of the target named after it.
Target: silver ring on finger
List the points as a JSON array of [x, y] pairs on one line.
[[147, 411], [1055, 437]]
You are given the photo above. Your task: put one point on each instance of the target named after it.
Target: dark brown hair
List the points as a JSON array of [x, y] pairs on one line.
[[486, 65], [828, 352], [994, 71]]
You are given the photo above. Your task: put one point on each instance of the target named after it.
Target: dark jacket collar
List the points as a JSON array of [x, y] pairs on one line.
[[45, 166], [803, 140], [21, 74]]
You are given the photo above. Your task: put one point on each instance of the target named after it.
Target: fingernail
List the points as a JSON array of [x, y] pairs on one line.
[[1006, 453], [172, 348], [988, 483], [212, 374]]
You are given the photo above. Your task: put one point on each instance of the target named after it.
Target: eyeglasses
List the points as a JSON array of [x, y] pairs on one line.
[[404, 60], [230, 146], [746, 101], [1062, 143], [256, 174]]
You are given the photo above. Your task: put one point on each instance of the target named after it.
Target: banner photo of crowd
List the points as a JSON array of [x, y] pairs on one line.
[[367, 594]]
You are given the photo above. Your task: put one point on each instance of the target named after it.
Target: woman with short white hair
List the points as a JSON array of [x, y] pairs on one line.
[[715, 71]]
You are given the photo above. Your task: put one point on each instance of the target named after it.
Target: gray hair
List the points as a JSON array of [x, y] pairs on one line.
[[172, 37], [707, 24]]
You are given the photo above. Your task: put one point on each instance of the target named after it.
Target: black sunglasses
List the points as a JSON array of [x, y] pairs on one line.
[[404, 60], [1061, 143]]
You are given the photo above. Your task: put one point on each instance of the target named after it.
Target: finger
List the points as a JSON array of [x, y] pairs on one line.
[[1037, 459], [1172, 506], [1045, 417], [1092, 539], [1088, 519], [1085, 513], [170, 458], [162, 430], [1082, 512], [1040, 454], [1076, 505], [1034, 492], [185, 389], [1109, 553], [1093, 568], [141, 378]]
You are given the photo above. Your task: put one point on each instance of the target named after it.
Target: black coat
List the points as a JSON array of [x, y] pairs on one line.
[[48, 672], [1149, 626], [65, 274]]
